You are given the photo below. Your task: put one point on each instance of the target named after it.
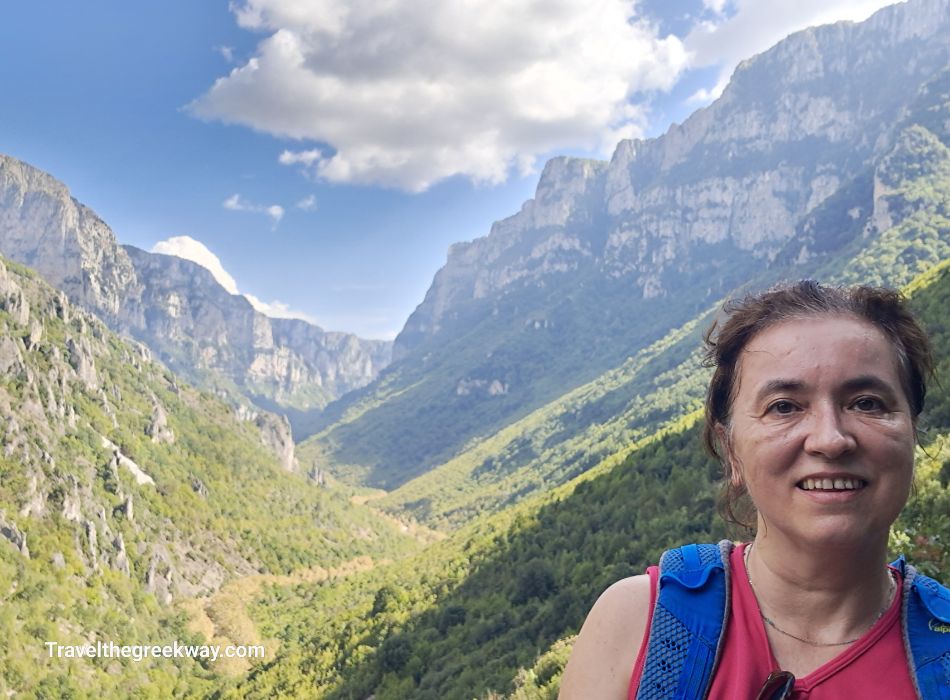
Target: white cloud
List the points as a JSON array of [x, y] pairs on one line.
[[704, 96], [757, 25], [236, 203], [408, 92], [196, 251], [278, 309], [717, 6], [300, 157], [308, 203], [226, 52]]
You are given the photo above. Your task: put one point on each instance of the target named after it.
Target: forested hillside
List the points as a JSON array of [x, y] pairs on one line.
[[124, 492], [491, 609]]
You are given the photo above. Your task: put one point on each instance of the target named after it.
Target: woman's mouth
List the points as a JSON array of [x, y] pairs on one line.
[[829, 484]]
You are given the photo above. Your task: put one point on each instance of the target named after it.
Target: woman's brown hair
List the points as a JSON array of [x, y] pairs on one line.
[[744, 318]]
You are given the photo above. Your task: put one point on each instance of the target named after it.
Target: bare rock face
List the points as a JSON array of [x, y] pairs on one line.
[[35, 500], [120, 556], [43, 227], [276, 435], [158, 428], [13, 535], [126, 509], [81, 360], [11, 359], [72, 501], [190, 320], [162, 577]]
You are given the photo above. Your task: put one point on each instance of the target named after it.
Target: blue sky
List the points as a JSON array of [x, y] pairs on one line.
[[326, 153]]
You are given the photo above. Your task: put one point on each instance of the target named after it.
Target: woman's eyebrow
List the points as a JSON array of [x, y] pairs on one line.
[[868, 381], [859, 383], [774, 386]]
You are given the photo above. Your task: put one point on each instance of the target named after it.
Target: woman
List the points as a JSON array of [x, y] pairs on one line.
[[812, 412]]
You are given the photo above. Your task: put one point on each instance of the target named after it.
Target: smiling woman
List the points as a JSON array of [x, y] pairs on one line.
[[812, 412]]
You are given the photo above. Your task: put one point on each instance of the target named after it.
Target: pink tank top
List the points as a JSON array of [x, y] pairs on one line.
[[873, 667]]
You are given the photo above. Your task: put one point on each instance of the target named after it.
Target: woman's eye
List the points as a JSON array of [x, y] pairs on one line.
[[782, 407], [868, 403]]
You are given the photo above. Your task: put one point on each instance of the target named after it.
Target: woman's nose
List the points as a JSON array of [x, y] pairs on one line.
[[828, 434]]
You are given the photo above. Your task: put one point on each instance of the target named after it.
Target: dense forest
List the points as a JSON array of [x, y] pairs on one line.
[[491, 611]]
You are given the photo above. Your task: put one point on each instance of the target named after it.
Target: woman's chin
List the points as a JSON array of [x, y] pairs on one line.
[[832, 534]]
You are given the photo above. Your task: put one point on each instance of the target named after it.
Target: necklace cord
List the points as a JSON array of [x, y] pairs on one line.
[[887, 603]]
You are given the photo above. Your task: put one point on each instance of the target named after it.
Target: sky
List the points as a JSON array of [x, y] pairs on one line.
[[320, 156]]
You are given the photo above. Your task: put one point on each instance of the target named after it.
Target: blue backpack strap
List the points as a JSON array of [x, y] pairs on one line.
[[926, 623], [692, 606]]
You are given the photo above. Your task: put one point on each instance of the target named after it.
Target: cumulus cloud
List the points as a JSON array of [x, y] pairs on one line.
[[704, 96], [717, 6], [308, 203], [227, 53], [756, 25], [237, 203], [188, 248], [408, 92], [278, 309], [300, 157]]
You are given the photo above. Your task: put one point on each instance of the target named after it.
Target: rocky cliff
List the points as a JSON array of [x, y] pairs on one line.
[[174, 305], [793, 126], [783, 176]]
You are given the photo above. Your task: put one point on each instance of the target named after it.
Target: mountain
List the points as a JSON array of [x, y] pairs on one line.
[[541, 412], [130, 503], [787, 174], [176, 306], [491, 611], [651, 389]]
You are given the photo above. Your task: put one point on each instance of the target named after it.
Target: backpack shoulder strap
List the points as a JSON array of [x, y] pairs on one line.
[[926, 628], [692, 606]]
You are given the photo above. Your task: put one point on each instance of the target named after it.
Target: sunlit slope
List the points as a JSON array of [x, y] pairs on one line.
[[123, 492], [472, 614]]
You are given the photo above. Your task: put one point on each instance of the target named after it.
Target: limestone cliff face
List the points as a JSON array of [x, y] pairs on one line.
[[175, 306], [44, 228], [734, 181]]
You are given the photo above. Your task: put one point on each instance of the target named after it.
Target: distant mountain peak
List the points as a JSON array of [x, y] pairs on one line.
[[176, 305]]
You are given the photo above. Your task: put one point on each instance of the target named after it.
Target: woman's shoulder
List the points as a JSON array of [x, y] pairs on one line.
[[606, 649], [626, 595]]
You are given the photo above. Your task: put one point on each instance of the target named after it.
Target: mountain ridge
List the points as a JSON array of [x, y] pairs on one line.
[[194, 323], [609, 256]]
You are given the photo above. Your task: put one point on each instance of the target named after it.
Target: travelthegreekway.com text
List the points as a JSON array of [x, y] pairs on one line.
[[139, 652]]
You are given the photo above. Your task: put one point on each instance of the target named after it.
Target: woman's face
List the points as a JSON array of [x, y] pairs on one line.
[[821, 431]]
